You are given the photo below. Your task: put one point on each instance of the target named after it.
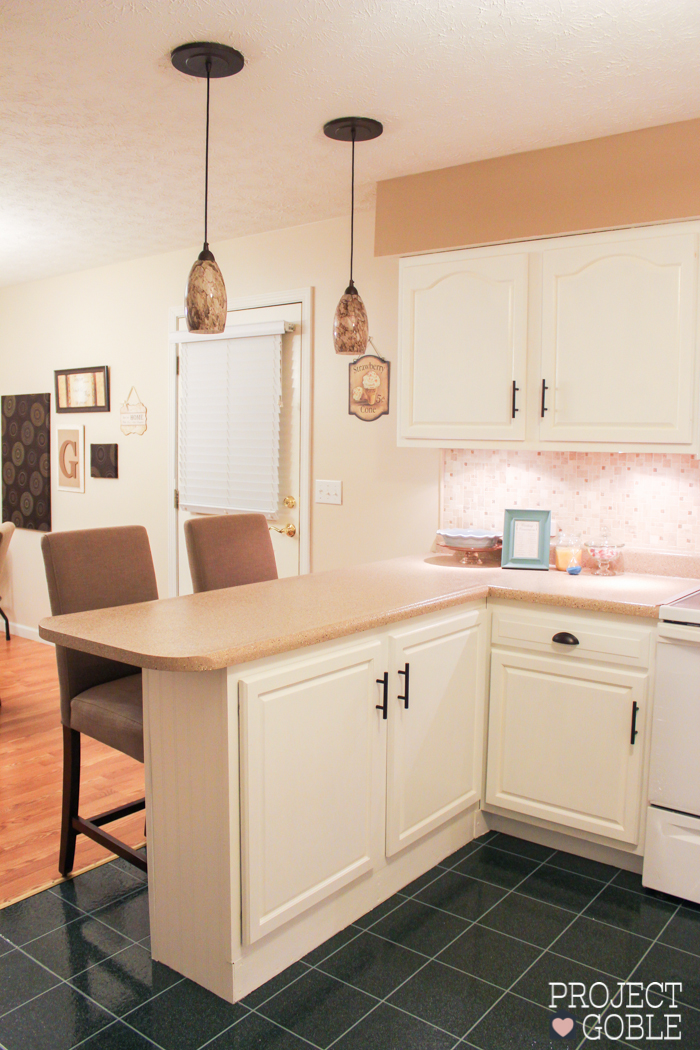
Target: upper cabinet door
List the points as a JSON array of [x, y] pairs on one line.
[[618, 341], [463, 344]]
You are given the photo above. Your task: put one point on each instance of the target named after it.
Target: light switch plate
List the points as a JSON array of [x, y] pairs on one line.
[[329, 491]]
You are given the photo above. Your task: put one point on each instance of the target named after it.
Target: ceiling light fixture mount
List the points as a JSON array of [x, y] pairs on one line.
[[205, 299], [350, 324]]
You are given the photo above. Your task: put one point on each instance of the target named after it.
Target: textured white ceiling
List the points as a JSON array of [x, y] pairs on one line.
[[101, 140]]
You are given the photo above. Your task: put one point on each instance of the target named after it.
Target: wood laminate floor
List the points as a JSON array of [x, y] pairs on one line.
[[31, 769]]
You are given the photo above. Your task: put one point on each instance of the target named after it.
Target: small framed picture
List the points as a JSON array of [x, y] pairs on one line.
[[70, 459], [526, 539], [82, 389], [104, 461]]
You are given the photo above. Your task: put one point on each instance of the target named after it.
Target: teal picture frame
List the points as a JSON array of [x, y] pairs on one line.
[[519, 543]]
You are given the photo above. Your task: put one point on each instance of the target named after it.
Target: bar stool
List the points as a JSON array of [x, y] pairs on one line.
[[97, 569], [226, 550]]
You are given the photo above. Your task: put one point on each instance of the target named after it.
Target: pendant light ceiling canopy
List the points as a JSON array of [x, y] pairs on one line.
[[350, 325], [205, 299]]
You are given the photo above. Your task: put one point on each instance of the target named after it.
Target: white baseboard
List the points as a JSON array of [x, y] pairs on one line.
[[26, 632]]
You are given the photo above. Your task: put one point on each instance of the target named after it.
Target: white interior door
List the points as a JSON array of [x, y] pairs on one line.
[[287, 548]]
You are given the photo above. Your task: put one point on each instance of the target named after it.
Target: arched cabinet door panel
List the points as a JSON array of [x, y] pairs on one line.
[[618, 341], [463, 342]]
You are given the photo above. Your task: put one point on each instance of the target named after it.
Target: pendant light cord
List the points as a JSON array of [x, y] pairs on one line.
[[352, 203], [206, 162]]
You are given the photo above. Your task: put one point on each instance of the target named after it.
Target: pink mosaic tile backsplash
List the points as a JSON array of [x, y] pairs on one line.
[[649, 501]]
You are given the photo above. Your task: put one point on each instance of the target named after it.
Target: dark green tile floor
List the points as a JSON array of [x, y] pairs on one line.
[[461, 959]]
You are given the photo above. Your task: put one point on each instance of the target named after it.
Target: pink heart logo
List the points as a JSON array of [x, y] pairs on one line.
[[562, 1025]]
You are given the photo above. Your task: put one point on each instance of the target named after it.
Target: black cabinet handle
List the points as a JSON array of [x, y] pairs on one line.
[[635, 712], [516, 390], [384, 706], [545, 388], [564, 638], [405, 687]]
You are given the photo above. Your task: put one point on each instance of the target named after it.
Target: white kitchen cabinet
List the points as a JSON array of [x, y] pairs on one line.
[[312, 770], [599, 332], [618, 341], [324, 797], [435, 725], [463, 343], [560, 743]]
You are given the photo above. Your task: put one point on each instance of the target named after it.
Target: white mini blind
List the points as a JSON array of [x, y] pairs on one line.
[[229, 423]]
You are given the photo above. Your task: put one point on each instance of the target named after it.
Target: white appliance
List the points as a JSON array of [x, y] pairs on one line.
[[672, 850]]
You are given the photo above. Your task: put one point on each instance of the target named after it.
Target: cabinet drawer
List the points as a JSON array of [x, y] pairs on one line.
[[599, 640]]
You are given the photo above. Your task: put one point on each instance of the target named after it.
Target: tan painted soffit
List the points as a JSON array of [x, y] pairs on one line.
[[639, 177]]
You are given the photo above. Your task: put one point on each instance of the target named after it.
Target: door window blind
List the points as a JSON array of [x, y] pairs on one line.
[[229, 424]]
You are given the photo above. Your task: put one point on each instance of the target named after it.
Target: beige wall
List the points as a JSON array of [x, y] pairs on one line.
[[622, 180], [118, 315]]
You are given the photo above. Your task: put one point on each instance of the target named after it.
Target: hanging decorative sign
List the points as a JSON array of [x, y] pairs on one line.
[[132, 414], [369, 388]]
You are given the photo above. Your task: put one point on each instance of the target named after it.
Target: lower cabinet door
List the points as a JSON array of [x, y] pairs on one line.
[[312, 762], [435, 740], [560, 743]]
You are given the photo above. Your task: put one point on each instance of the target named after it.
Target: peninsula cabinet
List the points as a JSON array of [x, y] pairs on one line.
[[312, 771], [435, 730], [352, 753], [585, 343]]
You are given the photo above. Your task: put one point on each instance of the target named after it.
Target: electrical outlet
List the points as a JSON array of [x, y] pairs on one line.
[[329, 491]]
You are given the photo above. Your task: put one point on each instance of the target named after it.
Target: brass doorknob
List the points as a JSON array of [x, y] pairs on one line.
[[289, 501], [286, 530]]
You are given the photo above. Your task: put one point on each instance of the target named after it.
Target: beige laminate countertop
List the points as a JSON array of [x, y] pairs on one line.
[[202, 632]]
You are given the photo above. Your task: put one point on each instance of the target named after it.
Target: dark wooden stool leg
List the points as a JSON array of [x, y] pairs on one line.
[[7, 625], [71, 796]]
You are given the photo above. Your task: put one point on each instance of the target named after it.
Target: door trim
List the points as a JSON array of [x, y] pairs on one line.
[[305, 296]]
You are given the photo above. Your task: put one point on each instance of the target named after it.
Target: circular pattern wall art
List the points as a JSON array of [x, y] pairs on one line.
[[26, 462]]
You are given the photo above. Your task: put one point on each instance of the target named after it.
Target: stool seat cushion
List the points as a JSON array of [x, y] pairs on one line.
[[113, 714]]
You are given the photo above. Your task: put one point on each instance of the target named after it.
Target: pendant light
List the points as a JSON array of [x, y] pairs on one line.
[[350, 325], [205, 299]]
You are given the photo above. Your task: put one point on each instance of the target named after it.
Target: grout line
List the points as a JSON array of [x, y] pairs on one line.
[[434, 958], [38, 995], [537, 959], [106, 1028]]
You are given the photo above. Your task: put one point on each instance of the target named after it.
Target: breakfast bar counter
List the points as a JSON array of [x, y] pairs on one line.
[[204, 632], [291, 786]]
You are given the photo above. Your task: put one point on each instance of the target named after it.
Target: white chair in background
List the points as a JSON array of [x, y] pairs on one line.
[[6, 530]]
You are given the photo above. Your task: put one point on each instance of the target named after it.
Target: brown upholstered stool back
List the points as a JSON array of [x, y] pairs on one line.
[[95, 569], [228, 550]]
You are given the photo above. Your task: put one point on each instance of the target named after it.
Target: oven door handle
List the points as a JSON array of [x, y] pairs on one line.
[[678, 632]]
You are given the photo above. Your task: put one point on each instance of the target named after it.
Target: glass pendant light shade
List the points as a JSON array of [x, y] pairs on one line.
[[350, 325], [205, 299]]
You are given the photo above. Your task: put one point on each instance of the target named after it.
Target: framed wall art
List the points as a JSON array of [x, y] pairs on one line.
[[104, 461], [526, 539], [69, 459], [82, 389], [369, 388], [26, 461]]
